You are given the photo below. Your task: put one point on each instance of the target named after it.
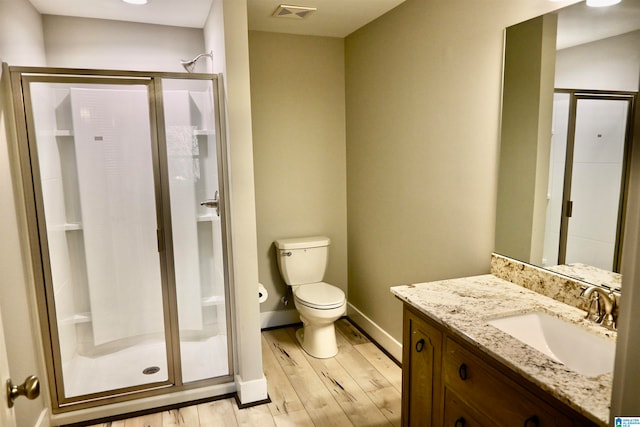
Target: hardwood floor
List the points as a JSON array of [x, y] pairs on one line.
[[360, 386]]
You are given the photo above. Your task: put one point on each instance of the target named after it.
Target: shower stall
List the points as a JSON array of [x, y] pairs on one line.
[[124, 177]]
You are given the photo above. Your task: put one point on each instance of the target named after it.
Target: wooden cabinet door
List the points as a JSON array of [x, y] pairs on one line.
[[421, 381]]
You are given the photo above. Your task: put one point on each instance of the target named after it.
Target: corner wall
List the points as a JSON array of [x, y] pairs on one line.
[[298, 111]]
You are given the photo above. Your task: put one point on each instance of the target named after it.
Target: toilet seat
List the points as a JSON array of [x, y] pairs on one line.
[[320, 296]]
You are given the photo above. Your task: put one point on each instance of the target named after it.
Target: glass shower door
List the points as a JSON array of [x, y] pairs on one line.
[[197, 216], [597, 182], [98, 221], [588, 178]]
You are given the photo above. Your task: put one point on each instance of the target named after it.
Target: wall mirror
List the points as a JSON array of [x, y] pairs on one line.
[[568, 116]]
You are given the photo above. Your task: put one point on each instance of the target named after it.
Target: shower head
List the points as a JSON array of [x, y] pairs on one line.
[[189, 65]]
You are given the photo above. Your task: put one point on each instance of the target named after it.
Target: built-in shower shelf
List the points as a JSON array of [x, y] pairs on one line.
[[82, 318], [207, 217], [76, 319], [212, 300], [72, 226], [204, 132], [63, 132]]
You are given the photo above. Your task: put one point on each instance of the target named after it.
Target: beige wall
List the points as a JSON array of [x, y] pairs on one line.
[[298, 110], [21, 43], [423, 89]]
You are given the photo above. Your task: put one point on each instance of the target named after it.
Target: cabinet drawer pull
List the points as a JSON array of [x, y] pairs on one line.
[[420, 345], [462, 372], [532, 421], [460, 422]]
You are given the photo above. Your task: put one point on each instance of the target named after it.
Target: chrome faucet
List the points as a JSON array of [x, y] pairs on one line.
[[606, 316]]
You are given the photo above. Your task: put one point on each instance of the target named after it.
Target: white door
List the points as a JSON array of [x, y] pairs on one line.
[[7, 415]]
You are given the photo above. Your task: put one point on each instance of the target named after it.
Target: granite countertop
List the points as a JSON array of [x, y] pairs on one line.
[[590, 274], [464, 305]]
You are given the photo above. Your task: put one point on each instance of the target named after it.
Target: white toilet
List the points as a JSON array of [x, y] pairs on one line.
[[302, 263]]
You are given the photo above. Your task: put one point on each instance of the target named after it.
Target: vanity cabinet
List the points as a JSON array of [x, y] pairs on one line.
[[423, 356], [447, 382]]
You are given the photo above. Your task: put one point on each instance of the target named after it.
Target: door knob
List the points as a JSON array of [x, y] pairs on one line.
[[212, 203], [29, 389]]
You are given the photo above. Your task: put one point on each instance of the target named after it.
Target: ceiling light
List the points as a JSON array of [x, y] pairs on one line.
[[296, 12], [136, 1], [601, 3]]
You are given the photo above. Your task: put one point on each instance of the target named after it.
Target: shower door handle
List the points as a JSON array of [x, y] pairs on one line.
[[212, 203]]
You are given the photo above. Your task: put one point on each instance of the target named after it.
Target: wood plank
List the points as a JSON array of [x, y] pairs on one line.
[[365, 374], [382, 363], [350, 332], [119, 423], [382, 393], [352, 399], [217, 414], [259, 415], [318, 400], [294, 419], [389, 401], [150, 420], [284, 399], [187, 416]]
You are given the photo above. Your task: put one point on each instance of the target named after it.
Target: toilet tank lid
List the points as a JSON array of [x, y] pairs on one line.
[[303, 242]]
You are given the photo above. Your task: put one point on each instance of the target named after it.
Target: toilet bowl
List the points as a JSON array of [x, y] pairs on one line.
[[318, 311], [302, 263]]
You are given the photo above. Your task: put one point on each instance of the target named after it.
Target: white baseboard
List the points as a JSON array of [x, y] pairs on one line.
[[386, 341], [251, 391], [43, 419], [273, 319]]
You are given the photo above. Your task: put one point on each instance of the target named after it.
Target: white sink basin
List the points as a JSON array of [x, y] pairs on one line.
[[562, 341]]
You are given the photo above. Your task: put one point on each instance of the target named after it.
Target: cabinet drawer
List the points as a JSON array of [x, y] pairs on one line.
[[496, 396], [457, 414]]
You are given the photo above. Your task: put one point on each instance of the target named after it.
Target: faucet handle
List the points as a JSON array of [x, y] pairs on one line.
[[595, 314], [609, 322]]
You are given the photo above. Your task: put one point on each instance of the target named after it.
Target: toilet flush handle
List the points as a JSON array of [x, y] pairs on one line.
[[286, 253]]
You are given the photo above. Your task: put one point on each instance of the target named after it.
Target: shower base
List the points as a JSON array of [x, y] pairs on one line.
[[201, 359]]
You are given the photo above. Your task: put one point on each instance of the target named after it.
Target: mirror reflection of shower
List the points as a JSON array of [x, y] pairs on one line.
[[189, 65]]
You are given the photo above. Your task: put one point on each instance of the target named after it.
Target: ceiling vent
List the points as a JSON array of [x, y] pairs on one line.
[[295, 12]]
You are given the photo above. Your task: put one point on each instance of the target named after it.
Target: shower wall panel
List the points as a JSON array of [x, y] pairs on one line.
[[192, 154], [117, 202], [183, 175], [50, 143]]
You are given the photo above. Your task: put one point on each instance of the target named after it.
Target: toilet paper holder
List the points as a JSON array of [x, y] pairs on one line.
[[262, 293]]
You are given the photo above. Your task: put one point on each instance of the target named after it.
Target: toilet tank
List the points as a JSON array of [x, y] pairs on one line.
[[302, 260]]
